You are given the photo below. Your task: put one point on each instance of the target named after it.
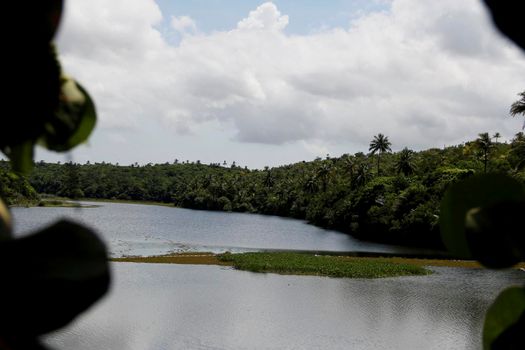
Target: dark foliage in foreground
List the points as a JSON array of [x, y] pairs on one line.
[[52, 275]]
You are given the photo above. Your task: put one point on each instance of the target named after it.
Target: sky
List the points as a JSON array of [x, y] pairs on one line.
[[272, 83]]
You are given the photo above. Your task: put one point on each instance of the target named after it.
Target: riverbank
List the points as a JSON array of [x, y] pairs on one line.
[[126, 201], [53, 203], [63, 202]]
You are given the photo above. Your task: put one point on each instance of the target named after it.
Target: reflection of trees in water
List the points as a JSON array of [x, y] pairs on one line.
[[414, 312]]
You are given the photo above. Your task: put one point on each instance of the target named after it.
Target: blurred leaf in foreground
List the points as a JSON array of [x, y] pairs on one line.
[[480, 218], [5, 222], [74, 120], [505, 321], [49, 278]]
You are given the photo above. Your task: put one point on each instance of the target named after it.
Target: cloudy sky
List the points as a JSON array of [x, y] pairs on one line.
[[271, 83]]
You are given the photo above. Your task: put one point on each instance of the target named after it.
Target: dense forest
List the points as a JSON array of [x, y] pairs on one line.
[[15, 189], [380, 196]]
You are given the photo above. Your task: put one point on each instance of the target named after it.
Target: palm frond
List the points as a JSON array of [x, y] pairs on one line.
[[518, 107]]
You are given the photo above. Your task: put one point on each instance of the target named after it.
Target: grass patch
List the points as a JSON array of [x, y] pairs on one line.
[[332, 266], [309, 264]]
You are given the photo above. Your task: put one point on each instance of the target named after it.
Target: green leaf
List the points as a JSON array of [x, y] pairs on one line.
[[505, 321], [50, 277], [479, 218], [74, 120], [5, 222], [21, 156], [87, 121]]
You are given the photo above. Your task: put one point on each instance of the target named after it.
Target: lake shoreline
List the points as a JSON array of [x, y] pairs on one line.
[[64, 202], [126, 201], [55, 202]]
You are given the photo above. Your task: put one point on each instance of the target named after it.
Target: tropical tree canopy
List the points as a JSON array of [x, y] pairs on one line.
[[484, 144], [518, 107], [380, 144], [405, 162], [483, 141]]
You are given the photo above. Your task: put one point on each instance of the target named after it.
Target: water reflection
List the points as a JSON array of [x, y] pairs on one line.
[[208, 307], [132, 229]]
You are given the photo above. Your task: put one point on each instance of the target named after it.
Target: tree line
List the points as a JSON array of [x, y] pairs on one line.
[[381, 196]]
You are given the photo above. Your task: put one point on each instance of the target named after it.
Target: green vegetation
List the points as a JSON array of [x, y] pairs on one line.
[[192, 258], [298, 264], [399, 206], [518, 107], [332, 266], [15, 189], [340, 193], [405, 162], [484, 145], [206, 258], [379, 145]]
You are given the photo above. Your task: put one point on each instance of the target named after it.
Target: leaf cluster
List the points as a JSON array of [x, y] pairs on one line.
[[52, 110]]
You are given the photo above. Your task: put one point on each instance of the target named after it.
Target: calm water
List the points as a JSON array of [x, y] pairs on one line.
[[132, 229], [154, 306], [209, 307]]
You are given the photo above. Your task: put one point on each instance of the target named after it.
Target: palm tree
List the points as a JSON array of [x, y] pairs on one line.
[[361, 175], [517, 152], [379, 144], [484, 144], [310, 186], [322, 173], [269, 179], [349, 163], [405, 162], [496, 136], [518, 107]]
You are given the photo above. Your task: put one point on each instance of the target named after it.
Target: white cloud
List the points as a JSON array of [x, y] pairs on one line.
[[266, 16], [117, 138], [183, 24], [424, 73]]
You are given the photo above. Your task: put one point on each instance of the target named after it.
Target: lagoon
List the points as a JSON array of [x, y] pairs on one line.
[[134, 229], [155, 306]]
